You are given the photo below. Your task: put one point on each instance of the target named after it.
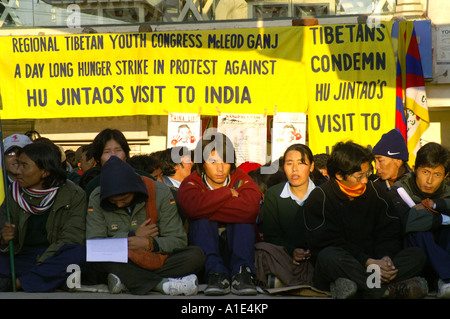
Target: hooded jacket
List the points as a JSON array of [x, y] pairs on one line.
[[106, 220], [117, 178]]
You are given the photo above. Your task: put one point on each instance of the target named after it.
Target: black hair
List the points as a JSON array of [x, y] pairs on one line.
[[433, 155], [320, 160], [171, 157], [346, 158], [104, 137], [46, 159], [145, 162], [218, 142], [303, 149], [267, 180], [32, 134], [89, 175], [89, 149]]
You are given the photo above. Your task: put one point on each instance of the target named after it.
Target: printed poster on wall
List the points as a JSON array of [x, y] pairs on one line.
[[183, 129], [287, 129], [248, 132]]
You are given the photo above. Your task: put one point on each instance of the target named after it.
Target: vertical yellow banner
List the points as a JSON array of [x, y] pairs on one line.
[[351, 84]]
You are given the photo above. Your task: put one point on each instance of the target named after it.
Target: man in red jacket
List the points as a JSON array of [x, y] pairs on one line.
[[218, 194]]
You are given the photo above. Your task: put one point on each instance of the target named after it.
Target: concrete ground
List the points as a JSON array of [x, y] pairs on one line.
[[103, 294]]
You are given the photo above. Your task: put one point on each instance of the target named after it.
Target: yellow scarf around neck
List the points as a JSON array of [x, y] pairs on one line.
[[351, 192]]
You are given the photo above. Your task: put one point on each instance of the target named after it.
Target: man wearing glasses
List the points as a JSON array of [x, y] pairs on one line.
[[355, 236], [427, 222], [12, 144]]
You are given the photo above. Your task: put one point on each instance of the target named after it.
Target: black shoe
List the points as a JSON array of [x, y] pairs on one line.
[[242, 283], [218, 284], [343, 288], [414, 288], [6, 284]]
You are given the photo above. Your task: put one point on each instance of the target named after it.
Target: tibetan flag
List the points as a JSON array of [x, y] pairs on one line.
[[398, 45], [417, 116], [400, 117]]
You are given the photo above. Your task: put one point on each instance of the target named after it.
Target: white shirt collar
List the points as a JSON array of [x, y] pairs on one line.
[[174, 182], [227, 180], [287, 193]]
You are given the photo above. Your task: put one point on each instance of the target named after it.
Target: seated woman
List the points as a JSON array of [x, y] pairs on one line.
[[47, 223], [284, 255]]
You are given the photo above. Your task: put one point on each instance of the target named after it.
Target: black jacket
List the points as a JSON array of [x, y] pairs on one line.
[[365, 226]]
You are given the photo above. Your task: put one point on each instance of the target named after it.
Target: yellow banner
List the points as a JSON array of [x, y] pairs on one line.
[[97, 75], [351, 84], [342, 76]]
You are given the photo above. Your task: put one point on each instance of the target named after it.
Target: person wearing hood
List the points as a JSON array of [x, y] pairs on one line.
[[391, 158], [427, 223], [133, 206]]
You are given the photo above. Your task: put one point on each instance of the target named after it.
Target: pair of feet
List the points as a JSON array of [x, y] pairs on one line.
[[241, 283], [187, 285], [414, 288]]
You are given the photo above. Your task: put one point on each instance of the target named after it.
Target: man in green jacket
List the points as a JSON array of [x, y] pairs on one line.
[[427, 223], [118, 209]]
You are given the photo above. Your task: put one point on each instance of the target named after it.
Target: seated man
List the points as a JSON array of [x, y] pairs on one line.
[[143, 210], [176, 165], [216, 194], [391, 158], [427, 224], [87, 160], [352, 225]]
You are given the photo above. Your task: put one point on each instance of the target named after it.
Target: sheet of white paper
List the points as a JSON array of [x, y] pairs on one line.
[[107, 249], [404, 195]]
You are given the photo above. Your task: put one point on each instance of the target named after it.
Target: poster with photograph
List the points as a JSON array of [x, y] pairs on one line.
[[248, 132], [183, 130], [288, 129]]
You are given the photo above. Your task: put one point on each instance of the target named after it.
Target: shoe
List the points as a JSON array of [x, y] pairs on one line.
[[218, 284], [100, 288], [115, 286], [414, 288], [443, 289], [187, 286], [343, 288], [6, 284], [242, 283], [274, 282]]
